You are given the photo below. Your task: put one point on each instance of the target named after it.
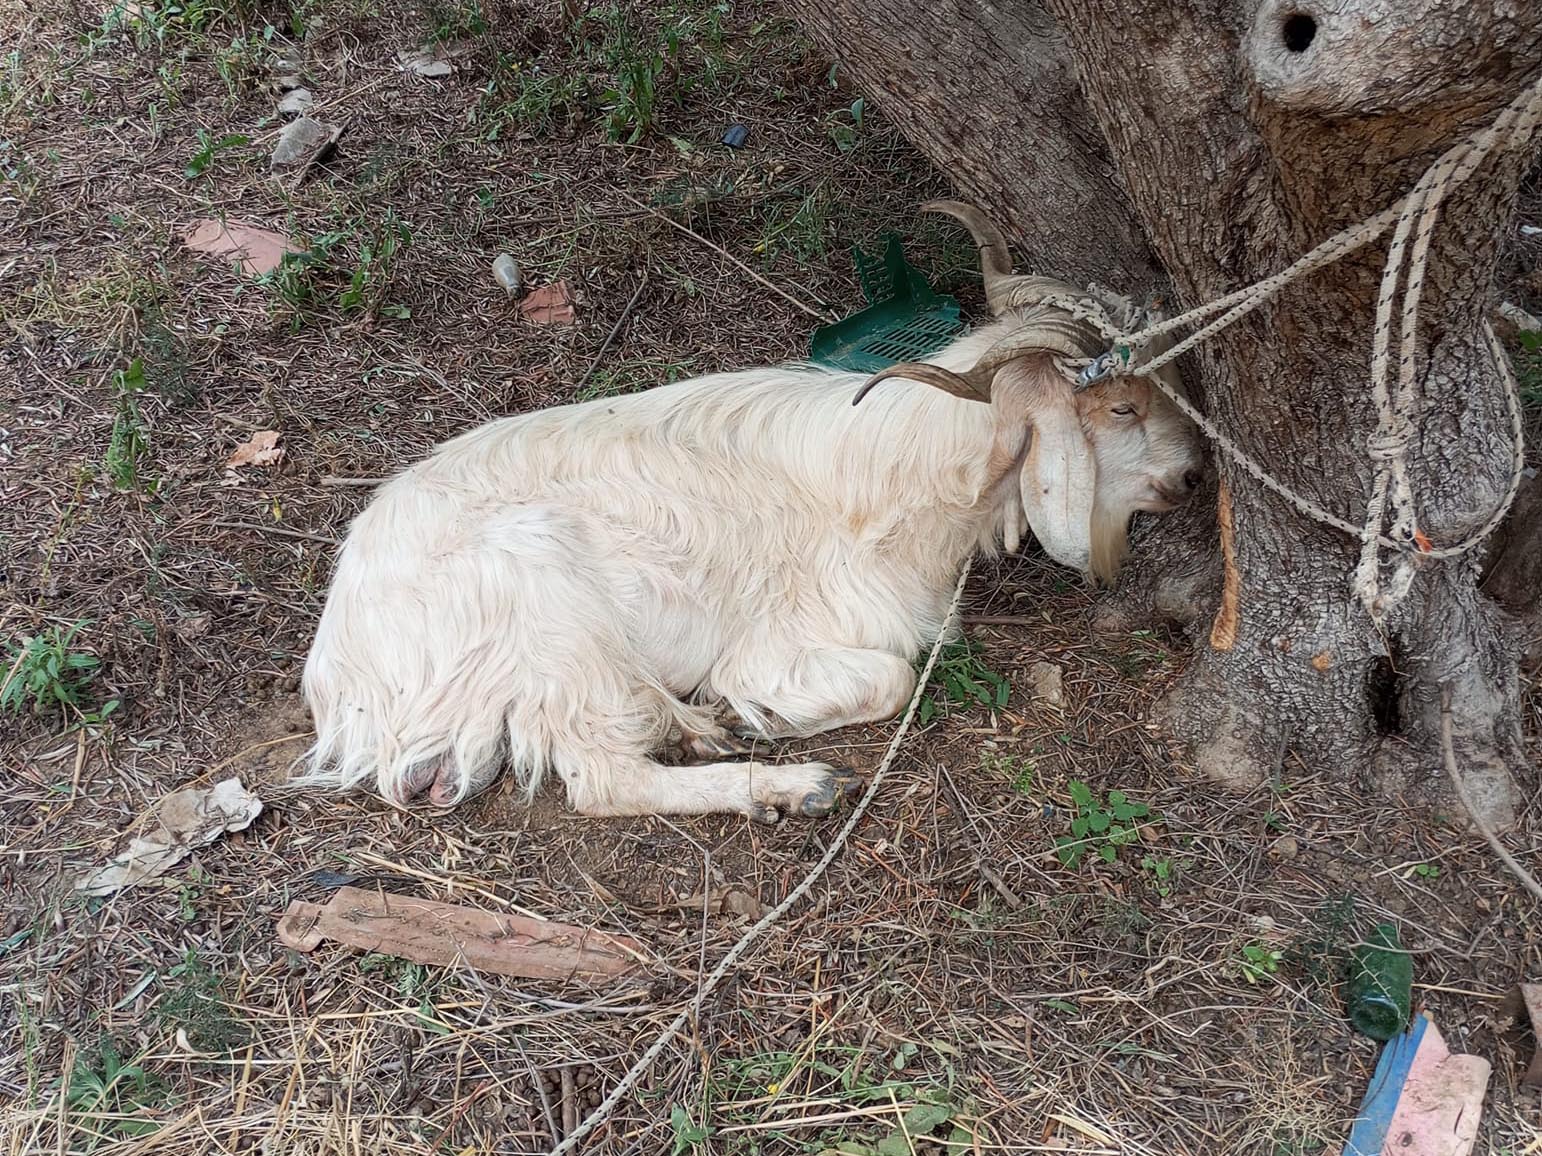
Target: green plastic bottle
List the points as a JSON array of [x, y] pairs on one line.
[[1379, 994]]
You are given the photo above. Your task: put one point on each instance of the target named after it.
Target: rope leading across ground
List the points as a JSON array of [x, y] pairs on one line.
[[645, 1061]]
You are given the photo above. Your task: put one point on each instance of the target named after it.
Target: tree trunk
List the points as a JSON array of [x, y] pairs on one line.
[[1244, 135], [988, 92]]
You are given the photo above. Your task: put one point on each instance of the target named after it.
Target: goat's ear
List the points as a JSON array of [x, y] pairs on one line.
[[1059, 477]]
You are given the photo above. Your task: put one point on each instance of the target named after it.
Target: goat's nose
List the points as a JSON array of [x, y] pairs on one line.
[[1192, 478]]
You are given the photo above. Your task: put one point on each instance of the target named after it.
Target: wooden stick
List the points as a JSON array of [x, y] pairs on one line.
[[339, 483], [614, 329], [278, 532], [716, 248]]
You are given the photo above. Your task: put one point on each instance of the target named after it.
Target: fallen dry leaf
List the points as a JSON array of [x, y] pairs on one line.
[[550, 304], [258, 250], [183, 820], [261, 449]]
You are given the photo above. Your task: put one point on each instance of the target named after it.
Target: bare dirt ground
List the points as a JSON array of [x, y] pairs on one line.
[[950, 987]]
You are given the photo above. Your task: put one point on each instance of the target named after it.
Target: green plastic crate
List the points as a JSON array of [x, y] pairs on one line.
[[904, 320]]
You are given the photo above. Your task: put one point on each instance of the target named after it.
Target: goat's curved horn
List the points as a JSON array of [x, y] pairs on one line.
[[1045, 330], [972, 386], [995, 257]]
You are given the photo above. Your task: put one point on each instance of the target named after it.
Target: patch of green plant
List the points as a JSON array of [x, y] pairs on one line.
[[1138, 660], [1259, 962], [292, 285], [195, 1005], [1161, 871], [802, 230], [1018, 770], [113, 1091], [844, 125], [460, 20], [128, 446], [209, 147], [632, 376], [524, 95], [961, 678], [411, 980], [1426, 870], [1101, 825], [47, 673], [688, 1134], [243, 58], [931, 1122], [372, 273]]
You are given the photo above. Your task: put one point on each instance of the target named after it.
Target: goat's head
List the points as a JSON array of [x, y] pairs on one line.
[[1098, 455]]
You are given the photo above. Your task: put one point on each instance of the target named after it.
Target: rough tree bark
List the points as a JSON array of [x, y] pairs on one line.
[[1243, 134], [1034, 160]]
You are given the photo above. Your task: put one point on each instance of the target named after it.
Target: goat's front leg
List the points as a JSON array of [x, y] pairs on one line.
[[795, 696], [763, 792]]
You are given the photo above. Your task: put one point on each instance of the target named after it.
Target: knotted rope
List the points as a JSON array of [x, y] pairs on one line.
[[1397, 410]]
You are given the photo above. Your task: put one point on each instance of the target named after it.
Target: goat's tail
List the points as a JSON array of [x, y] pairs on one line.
[[444, 654]]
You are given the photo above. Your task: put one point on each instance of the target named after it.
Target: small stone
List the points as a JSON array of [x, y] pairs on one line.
[[1048, 682], [1285, 848], [288, 82], [301, 143], [296, 101], [425, 62]]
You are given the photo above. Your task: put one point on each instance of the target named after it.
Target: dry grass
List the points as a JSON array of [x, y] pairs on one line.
[[949, 959]]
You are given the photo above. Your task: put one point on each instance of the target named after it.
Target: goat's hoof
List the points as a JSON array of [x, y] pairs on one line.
[[839, 783], [765, 813]]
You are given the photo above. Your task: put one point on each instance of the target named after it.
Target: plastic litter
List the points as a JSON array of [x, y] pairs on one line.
[[904, 320]]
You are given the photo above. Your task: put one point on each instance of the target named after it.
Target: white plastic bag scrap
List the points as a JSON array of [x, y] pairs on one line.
[[180, 822]]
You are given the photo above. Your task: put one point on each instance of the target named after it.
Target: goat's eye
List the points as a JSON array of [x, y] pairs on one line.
[[1123, 410]]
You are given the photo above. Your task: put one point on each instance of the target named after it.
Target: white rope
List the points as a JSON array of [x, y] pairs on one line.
[[1397, 410], [693, 1008]]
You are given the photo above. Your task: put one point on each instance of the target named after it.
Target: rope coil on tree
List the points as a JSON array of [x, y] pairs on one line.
[[1415, 215]]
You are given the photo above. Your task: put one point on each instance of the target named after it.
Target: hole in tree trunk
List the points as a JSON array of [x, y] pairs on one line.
[[1383, 690], [1298, 31]]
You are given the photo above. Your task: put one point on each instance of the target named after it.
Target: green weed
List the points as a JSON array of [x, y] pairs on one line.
[[45, 671], [523, 95], [1016, 769], [195, 1005], [1427, 871], [1161, 872], [962, 678], [1258, 962], [844, 125], [687, 1133], [1101, 825], [372, 274], [458, 21], [128, 446], [112, 1091], [209, 147]]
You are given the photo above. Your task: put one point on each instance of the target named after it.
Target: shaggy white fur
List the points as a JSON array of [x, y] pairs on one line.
[[580, 587], [741, 554]]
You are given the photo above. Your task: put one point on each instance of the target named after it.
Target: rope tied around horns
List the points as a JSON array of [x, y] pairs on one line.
[[1130, 331]]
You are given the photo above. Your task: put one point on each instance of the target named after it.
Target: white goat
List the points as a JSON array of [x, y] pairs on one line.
[[740, 554]]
